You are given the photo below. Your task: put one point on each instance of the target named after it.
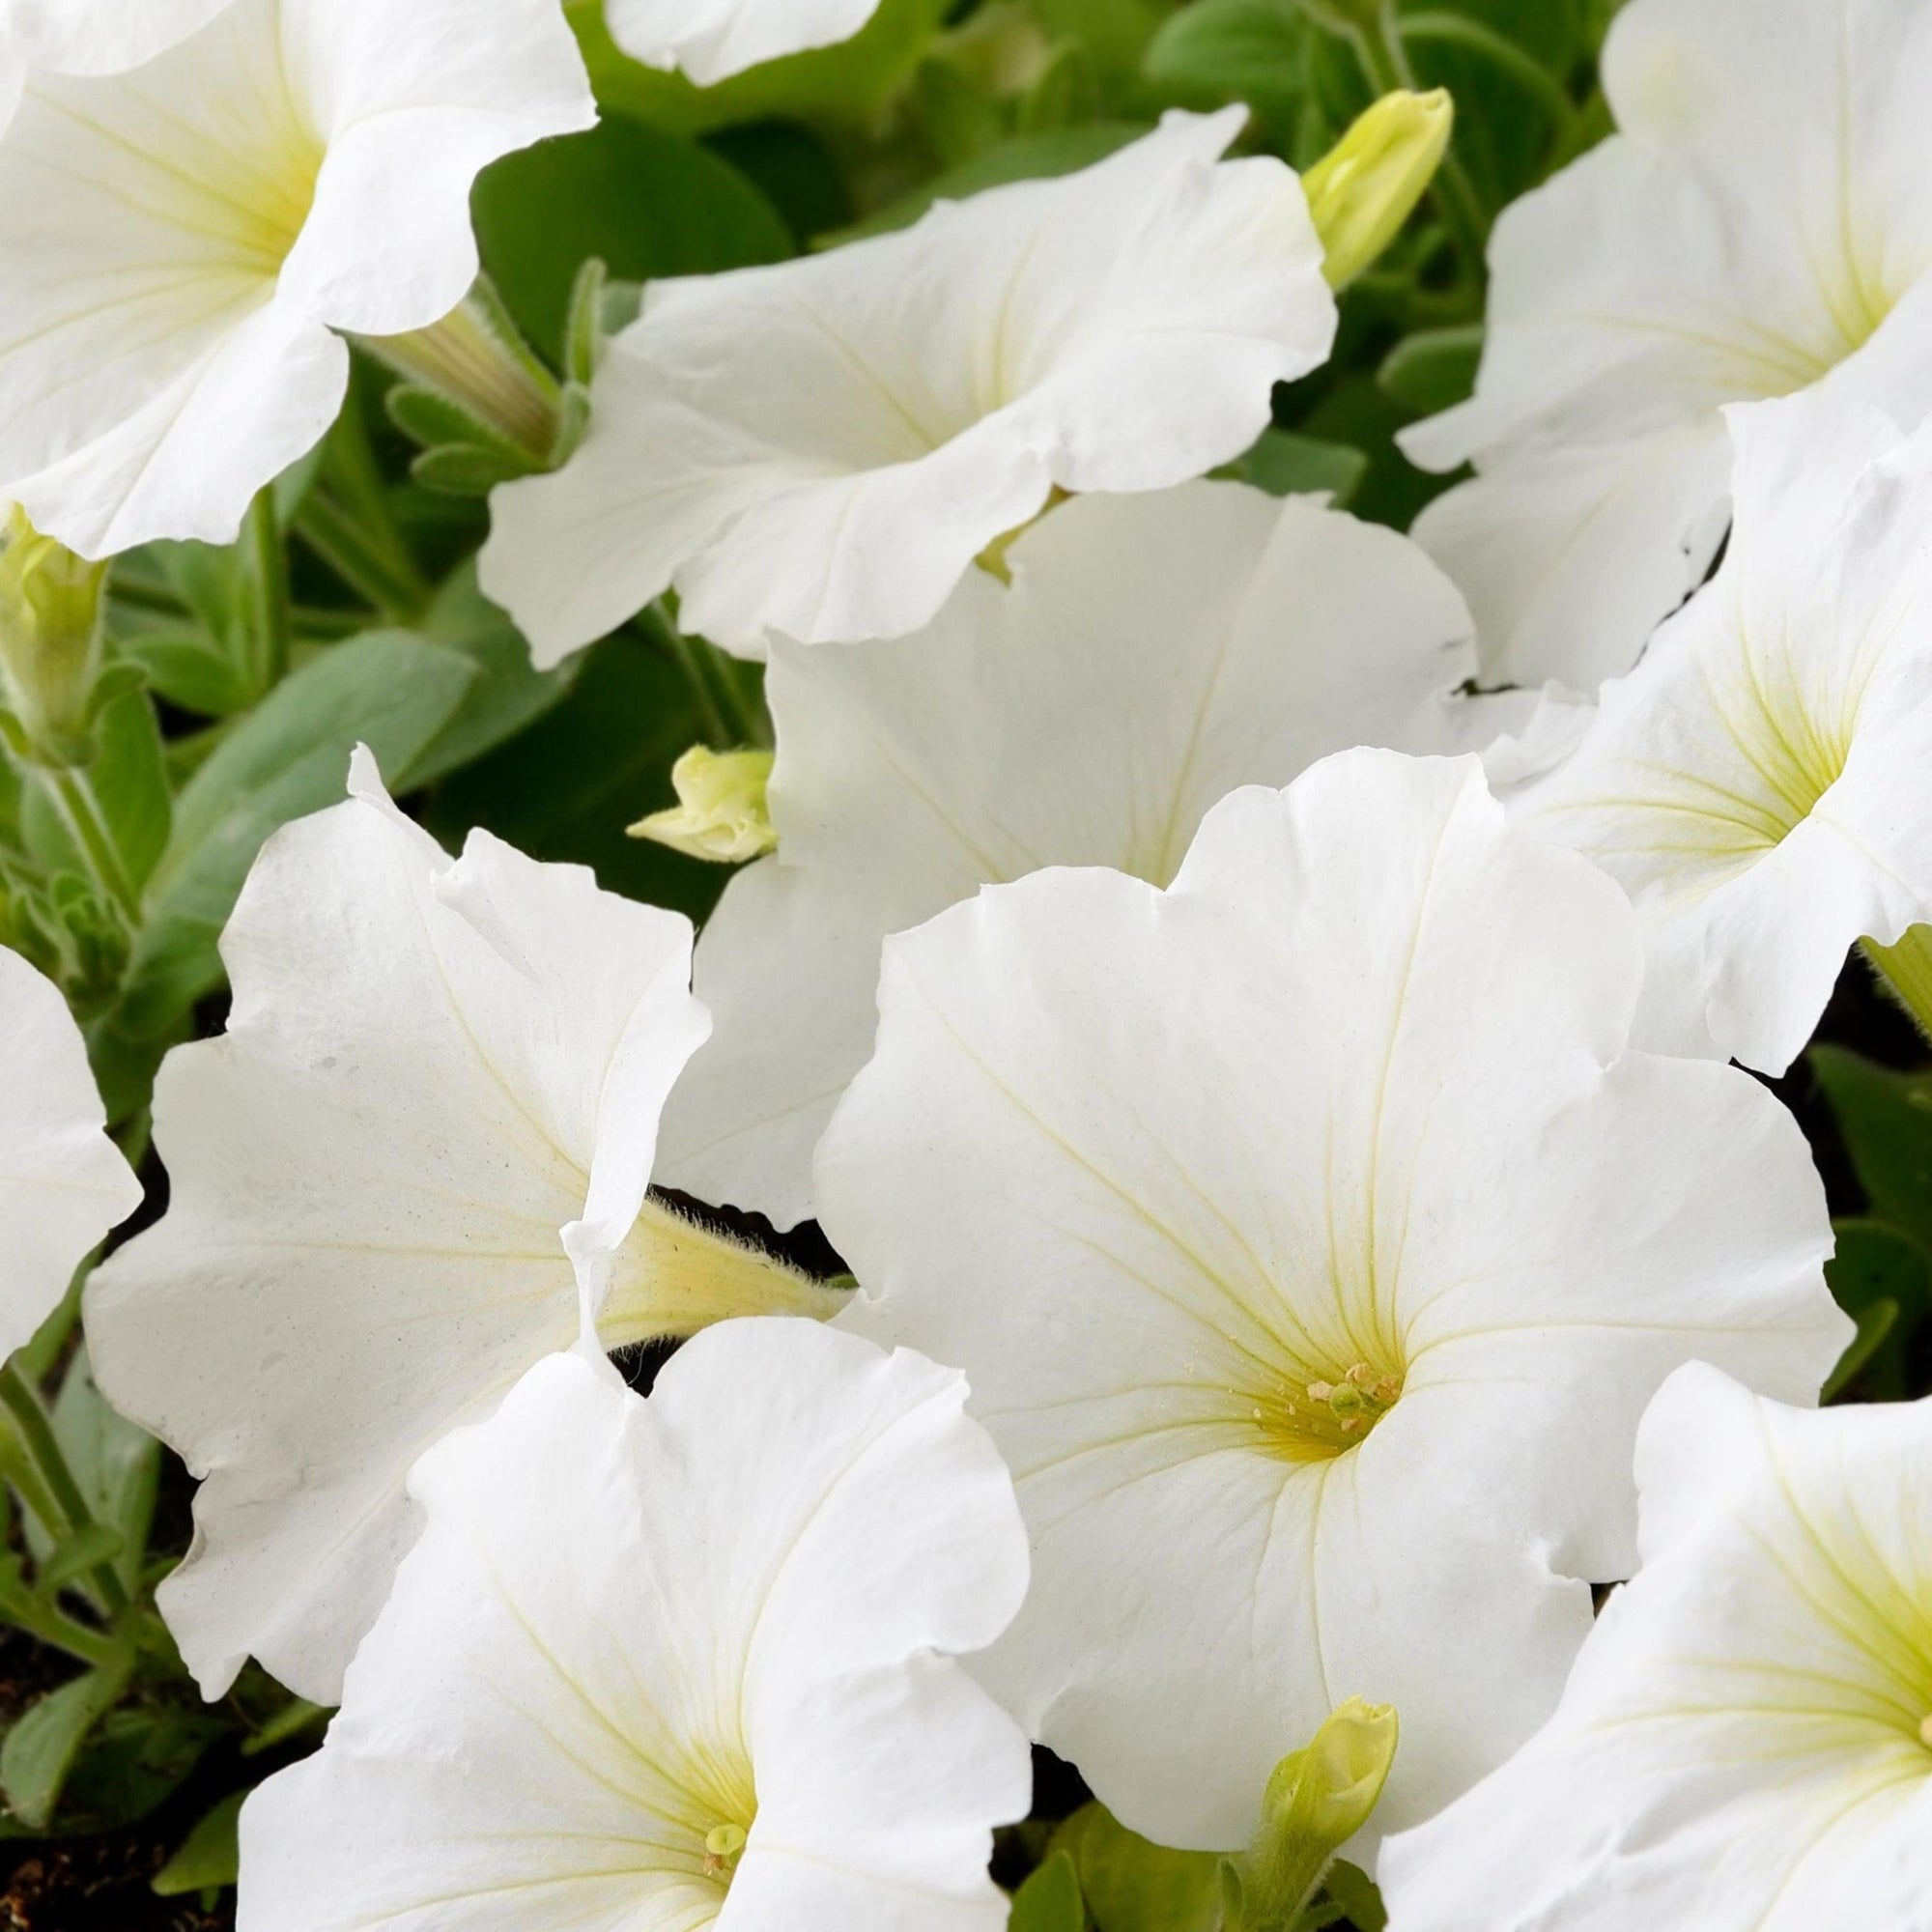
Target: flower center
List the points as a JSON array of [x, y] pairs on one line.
[[247, 182], [1317, 1420], [722, 1846]]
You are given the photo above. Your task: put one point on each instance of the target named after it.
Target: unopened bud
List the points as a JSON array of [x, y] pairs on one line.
[[51, 611], [1337, 1780], [1367, 185], [721, 813], [1317, 1800]]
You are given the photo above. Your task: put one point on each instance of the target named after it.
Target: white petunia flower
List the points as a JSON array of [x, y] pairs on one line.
[[1312, 1246], [1762, 225], [711, 40], [1746, 1744], [669, 1664], [1759, 783], [183, 241], [63, 1182], [1153, 653], [416, 1162], [821, 449]]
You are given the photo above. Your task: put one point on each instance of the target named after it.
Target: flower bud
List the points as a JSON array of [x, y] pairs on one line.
[[1367, 185], [51, 611], [721, 814], [1317, 1800]]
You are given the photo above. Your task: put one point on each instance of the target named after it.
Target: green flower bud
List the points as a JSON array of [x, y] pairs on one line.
[[1317, 1800], [1367, 185], [51, 610], [721, 814]]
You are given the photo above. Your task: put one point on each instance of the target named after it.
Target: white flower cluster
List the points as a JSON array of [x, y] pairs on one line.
[[1307, 1228]]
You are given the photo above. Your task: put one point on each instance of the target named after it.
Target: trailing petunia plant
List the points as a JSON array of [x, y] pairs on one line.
[[965, 964]]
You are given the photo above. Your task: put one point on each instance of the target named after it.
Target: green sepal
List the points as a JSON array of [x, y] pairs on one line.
[[464, 470], [583, 336], [437, 420], [1050, 1900]]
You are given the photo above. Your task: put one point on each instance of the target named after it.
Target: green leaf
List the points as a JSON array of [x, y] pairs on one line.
[[566, 788], [1876, 1321], [1878, 1267], [1113, 33], [74, 1555], [1286, 464], [138, 1756], [192, 672], [199, 655], [1355, 1892], [1876, 1262], [794, 169], [1885, 1119], [1510, 112], [508, 693], [1221, 51], [1435, 369], [390, 690], [1057, 151], [211, 1857], [1132, 1886], [40, 1751], [117, 1465], [848, 83], [1050, 1901], [643, 201], [1355, 410], [957, 119]]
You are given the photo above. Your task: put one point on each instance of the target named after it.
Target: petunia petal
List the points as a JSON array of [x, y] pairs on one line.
[[1739, 1746], [819, 450], [711, 40], [628, 1622], [434, 1068], [1152, 653], [63, 1182]]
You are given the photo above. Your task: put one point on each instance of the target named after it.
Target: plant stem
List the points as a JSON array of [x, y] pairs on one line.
[[346, 521], [1907, 968], [73, 794], [732, 720], [364, 560], [56, 1628], [37, 1439], [272, 620]]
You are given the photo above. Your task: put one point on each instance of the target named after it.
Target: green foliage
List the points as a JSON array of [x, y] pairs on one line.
[[211, 1856], [1882, 1273], [389, 690], [1132, 1886], [39, 1750], [1050, 1901], [644, 203]]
